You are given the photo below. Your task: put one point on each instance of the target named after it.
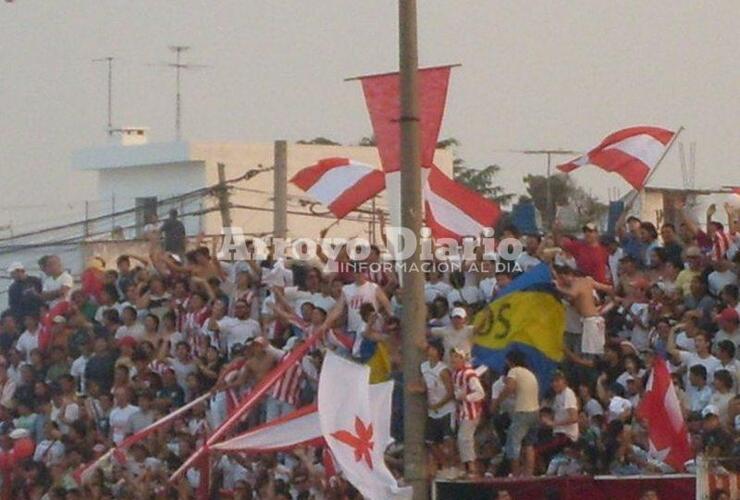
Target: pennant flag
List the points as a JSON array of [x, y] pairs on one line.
[[667, 431], [526, 316], [298, 428], [356, 426], [340, 183], [383, 98], [454, 211], [630, 152]]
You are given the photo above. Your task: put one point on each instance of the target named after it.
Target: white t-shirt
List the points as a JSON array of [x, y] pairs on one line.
[[436, 389], [563, 402], [507, 405], [238, 331], [593, 407], [617, 406], [487, 287], [527, 262], [527, 389], [434, 290], [355, 296], [71, 414], [690, 359], [685, 343], [452, 338], [299, 297], [27, 342], [718, 280], [120, 422], [465, 295], [52, 284], [136, 331], [77, 370]]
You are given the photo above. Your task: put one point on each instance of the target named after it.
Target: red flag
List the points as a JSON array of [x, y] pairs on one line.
[[383, 97], [454, 211], [669, 437], [630, 152], [340, 183]]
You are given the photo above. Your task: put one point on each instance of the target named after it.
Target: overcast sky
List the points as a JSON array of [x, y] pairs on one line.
[[535, 74]]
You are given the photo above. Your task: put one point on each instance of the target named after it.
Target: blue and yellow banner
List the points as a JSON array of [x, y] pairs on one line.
[[526, 315]]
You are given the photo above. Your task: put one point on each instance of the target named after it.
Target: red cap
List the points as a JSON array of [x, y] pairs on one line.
[[728, 314], [127, 341]]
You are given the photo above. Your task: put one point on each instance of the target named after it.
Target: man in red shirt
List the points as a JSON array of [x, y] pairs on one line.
[[591, 256]]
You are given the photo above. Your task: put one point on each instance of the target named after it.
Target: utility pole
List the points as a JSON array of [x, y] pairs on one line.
[[414, 309], [549, 214], [109, 61], [280, 189], [224, 205]]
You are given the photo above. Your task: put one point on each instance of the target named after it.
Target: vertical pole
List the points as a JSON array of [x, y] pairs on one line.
[[177, 96], [549, 210], [280, 190], [373, 222], [223, 197], [110, 96], [113, 212], [412, 316], [87, 218]]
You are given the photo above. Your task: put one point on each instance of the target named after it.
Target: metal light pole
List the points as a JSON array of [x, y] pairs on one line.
[[109, 61], [414, 309]]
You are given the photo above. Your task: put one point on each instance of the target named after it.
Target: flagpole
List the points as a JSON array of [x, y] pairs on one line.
[[650, 174], [414, 309]]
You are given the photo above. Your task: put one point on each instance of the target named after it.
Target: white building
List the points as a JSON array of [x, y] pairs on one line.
[[138, 175]]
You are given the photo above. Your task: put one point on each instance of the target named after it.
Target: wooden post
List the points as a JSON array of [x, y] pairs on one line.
[[280, 190], [414, 309], [224, 205]]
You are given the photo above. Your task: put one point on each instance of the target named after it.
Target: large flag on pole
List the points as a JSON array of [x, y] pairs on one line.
[[631, 152], [357, 431], [667, 431], [340, 183], [383, 98], [451, 210]]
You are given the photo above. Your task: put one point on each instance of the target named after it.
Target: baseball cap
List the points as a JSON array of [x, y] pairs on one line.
[[127, 341], [728, 314], [693, 251], [589, 226], [709, 410], [458, 312], [15, 266]]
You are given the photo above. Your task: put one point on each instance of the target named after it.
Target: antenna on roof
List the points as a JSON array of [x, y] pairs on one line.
[[179, 65], [109, 60]]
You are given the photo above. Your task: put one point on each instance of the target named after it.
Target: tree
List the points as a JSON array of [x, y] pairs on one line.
[[321, 141], [481, 180], [565, 192]]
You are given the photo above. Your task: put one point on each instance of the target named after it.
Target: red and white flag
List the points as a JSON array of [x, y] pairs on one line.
[[631, 152], [667, 431], [340, 183], [356, 430], [454, 211]]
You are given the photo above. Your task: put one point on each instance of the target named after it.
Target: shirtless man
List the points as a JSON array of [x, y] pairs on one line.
[[580, 293]]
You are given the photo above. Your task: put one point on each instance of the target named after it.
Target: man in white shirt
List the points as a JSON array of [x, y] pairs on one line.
[[729, 327], [362, 291], [77, 370], [528, 258], [131, 326], [435, 287], [702, 356], [565, 408], [698, 392], [120, 415], [722, 276], [58, 284], [456, 335], [29, 339], [237, 329]]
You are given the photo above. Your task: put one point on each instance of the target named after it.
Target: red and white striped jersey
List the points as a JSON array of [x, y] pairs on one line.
[[469, 393], [720, 245], [288, 387]]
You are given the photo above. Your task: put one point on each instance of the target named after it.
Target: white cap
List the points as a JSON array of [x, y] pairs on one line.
[[709, 410], [15, 266], [19, 434], [458, 312]]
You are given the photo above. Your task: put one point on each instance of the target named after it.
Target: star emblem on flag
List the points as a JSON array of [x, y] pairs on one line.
[[361, 441]]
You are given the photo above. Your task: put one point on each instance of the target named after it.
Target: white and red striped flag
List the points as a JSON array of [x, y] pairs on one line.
[[667, 431], [454, 211], [631, 152], [340, 183]]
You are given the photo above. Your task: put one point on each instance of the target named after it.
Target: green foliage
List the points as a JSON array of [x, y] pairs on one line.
[[482, 180], [321, 141], [564, 191]]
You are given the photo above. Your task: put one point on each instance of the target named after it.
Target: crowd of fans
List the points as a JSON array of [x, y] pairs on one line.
[[88, 362]]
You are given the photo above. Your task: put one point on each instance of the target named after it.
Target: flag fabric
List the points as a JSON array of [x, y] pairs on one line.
[[383, 98], [298, 428], [340, 183], [631, 152], [357, 431], [454, 211], [527, 316], [667, 431]]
